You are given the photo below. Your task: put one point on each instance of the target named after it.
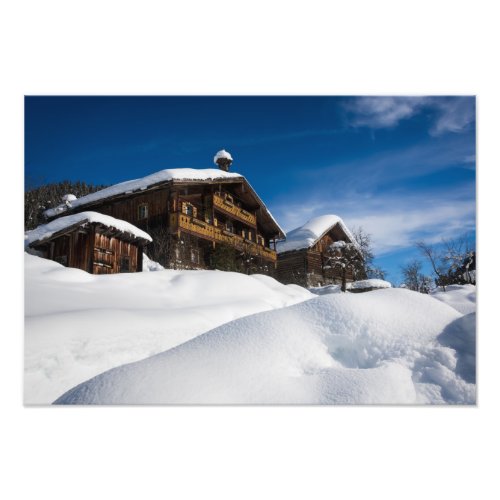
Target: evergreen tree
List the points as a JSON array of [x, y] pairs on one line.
[[41, 198]]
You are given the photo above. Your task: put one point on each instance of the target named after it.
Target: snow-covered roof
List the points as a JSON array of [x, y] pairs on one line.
[[222, 154], [173, 174], [308, 234], [176, 174], [46, 231]]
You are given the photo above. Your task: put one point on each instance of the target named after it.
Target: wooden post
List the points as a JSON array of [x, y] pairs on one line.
[[140, 250], [91, 243], [71, 253]]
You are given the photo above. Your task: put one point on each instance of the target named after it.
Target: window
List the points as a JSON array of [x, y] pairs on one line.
[[142, 211], [189, 209]]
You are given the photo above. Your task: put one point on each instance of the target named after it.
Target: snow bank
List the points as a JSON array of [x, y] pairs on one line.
[[460, 297], [143, 183], [47, 230], [461, 336], [149, 265], [380, 347], [308, 234], [78, 325]]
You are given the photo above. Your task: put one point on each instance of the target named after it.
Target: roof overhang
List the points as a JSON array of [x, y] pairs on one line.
[[99, 226]]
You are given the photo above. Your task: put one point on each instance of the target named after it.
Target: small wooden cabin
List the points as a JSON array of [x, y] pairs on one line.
[[302, 257], [193, 216], [93, 242]]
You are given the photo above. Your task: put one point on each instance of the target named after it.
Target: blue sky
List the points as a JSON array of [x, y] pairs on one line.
[[403, 168]]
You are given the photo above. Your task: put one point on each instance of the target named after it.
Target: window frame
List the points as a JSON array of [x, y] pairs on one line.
[[140, 208]]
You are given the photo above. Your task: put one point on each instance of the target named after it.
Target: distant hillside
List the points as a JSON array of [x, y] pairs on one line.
[[38, 199]]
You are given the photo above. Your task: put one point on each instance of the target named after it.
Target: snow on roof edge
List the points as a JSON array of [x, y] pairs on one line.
[[309, 240], [175, 174], [46, 231]]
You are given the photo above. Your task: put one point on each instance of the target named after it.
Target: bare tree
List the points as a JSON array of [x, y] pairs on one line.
[[366, 268], [450, 262], [435, 259], [376, 273], [411, 272], [364, 241], [346, 256], [414, 279], [458, 256]]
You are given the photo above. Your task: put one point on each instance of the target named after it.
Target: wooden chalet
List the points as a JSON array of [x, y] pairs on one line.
[[191, 215], [304, 257], [90, 241]]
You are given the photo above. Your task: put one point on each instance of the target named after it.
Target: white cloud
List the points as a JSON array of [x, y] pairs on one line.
[[456, 114], [396, 229], [394, 222], [452, 114], [383, 112]]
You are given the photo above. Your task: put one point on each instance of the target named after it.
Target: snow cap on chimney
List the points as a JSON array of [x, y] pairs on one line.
[[223, 159]]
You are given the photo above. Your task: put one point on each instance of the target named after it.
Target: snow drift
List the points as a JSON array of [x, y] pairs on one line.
[[460, 297], [78, 325], [388, 346]]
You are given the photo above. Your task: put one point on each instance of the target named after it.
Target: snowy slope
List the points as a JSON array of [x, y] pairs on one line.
[[460, 297], [386, 346], [78, 325]]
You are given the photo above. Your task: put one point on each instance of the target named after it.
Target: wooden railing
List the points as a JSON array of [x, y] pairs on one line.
[[230, 208], [180, 221]]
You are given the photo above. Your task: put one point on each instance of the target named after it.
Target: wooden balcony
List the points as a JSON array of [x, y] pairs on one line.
[[225, 205], [182, 222]]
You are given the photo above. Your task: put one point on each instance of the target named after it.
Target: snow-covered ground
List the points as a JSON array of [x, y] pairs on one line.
[[460, 297], [78, 325], [388, 347], [191, 337]]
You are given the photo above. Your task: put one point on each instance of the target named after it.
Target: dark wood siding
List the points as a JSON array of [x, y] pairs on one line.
[[222, 207], [308, 267], [87, 248], [128, 208], [292, 268], [81, 250], [111, 253]]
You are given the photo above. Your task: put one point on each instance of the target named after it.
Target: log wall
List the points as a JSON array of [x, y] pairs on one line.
[[309, 267], [112, 255], [206, 207], [94, 252]]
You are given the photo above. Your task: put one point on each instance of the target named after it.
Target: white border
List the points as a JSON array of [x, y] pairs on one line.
[[384, 47]]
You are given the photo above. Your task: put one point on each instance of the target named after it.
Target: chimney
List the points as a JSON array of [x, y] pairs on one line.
[[223, 160]]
